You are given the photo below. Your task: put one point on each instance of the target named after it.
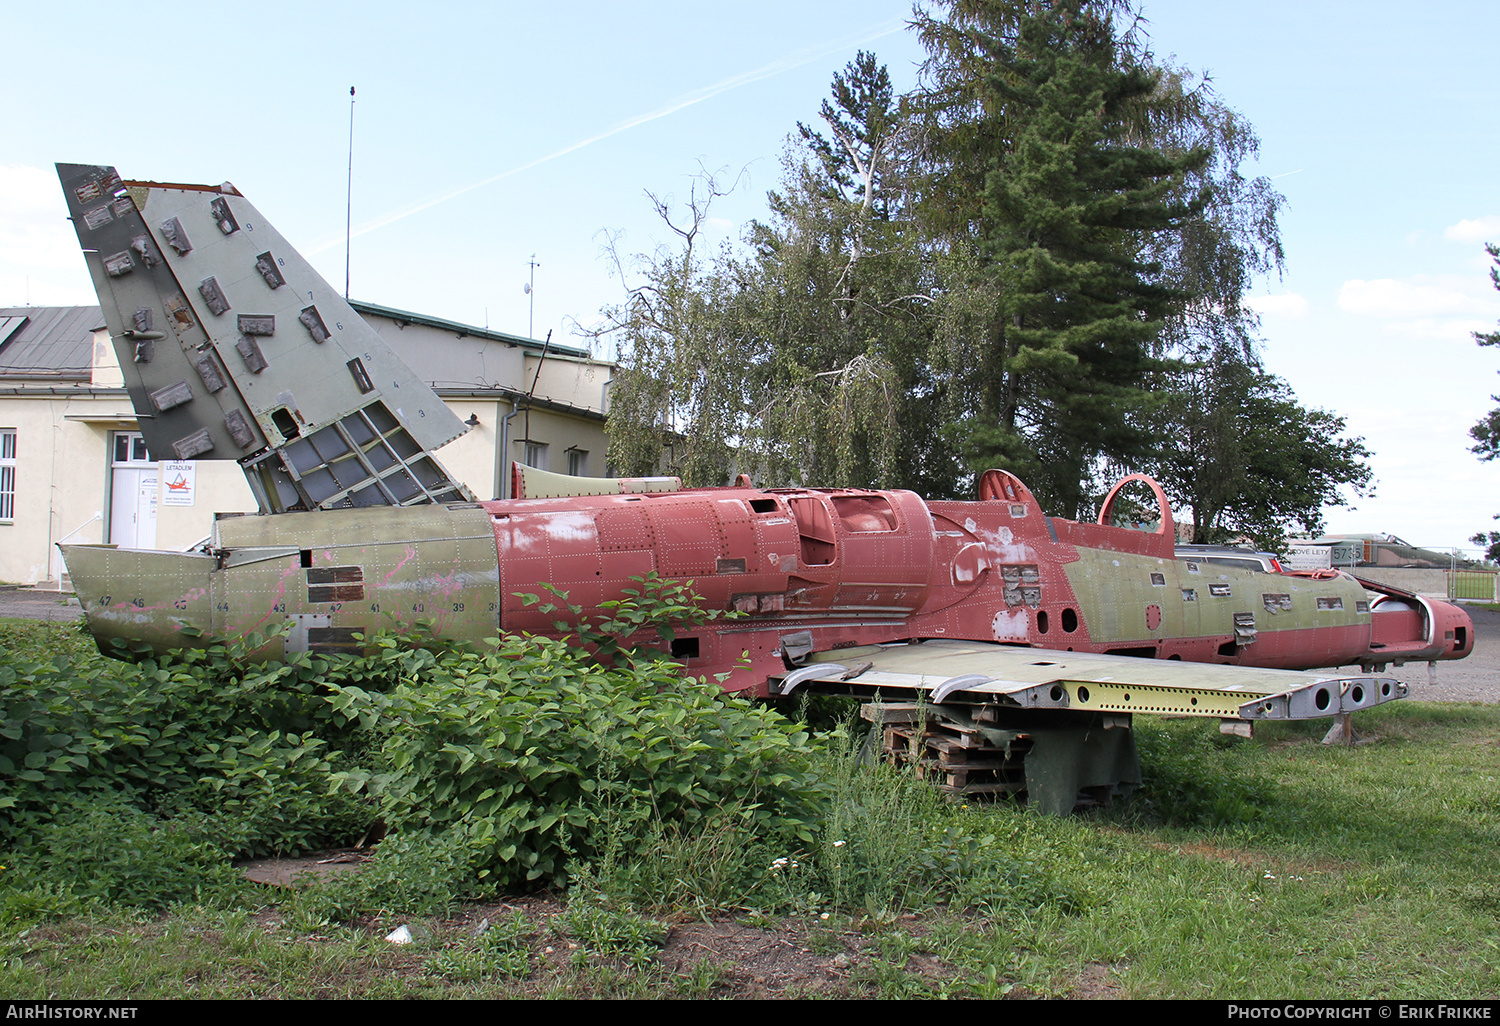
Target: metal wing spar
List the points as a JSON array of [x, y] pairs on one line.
[[1043, 679]]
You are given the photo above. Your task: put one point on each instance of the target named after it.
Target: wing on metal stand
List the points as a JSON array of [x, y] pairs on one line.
[[233, 347], [987, 718]]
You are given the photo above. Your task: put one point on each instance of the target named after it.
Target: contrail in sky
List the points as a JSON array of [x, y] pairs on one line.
[[776, 67]]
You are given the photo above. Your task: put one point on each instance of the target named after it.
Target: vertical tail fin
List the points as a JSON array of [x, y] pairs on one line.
[[233, 347]]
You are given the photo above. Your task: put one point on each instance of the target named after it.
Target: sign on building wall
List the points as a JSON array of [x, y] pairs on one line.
[[179, 482]]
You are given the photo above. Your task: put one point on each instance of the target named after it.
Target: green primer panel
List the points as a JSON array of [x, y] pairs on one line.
[[330, 574], [138, 595]]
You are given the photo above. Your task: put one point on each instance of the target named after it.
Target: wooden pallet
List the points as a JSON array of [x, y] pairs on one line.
[[954, 755]]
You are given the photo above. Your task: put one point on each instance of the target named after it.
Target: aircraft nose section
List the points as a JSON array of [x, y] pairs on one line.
[[161, 598]]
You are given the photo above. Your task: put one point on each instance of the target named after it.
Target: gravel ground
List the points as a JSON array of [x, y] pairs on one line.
[[1475, 679]]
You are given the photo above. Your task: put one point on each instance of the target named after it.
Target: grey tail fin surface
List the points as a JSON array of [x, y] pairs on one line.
[[233, 347]]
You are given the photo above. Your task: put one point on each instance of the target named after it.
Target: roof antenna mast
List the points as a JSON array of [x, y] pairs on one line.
[[349, 206], [530, 289]]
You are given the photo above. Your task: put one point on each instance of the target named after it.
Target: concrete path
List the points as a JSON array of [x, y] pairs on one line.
[[35, 604]]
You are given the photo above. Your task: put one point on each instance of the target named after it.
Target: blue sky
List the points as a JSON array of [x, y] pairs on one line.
[[484, 133]]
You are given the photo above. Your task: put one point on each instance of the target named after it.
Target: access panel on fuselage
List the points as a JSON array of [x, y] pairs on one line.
[[998, 576]]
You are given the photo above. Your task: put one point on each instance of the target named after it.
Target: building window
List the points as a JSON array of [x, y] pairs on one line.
[[7, 474], [536, 455], [578, 462], [130, 447]]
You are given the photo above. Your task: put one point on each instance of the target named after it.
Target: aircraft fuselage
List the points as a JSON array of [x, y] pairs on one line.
[[810, 570]]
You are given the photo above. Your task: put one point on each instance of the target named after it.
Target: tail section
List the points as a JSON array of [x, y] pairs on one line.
[[233, 347]]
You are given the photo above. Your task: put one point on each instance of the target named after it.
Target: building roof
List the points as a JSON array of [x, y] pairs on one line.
[[50, 343], [55, 343], [520, 398], [464, 330]]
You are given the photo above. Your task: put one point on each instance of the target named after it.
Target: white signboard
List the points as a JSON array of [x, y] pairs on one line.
[[179, 482], [1309, 557]]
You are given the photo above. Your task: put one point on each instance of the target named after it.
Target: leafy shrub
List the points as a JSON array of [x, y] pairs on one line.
[[622, 636], [522, 764], [206, 731], [528, 750], [519, 758], [101, 847]]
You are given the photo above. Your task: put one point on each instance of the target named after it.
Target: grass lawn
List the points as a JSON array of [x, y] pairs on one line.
[[1274, 868]]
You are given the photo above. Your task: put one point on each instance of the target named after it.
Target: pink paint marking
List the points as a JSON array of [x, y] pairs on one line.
[[446, 585], [279, 597], [411, 553]]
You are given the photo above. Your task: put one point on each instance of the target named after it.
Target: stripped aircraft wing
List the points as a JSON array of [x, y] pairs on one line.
[[1035, 678], [977, 717]]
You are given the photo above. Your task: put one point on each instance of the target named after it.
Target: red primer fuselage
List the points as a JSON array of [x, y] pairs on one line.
[[823, 569]]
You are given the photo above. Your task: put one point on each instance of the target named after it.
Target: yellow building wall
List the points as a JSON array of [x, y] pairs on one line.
[[63, 457], [63, 483], [63, 472], [472, 457]]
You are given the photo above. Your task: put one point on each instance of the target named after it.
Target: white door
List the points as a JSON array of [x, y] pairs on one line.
[[133, 489]]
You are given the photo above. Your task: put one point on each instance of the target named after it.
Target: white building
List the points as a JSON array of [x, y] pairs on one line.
[[74, 466]]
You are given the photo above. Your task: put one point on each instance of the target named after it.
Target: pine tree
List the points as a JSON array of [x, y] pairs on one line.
[[1067, 205]]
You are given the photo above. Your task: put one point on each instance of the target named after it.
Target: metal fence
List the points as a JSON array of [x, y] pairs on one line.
[[1473, 584]]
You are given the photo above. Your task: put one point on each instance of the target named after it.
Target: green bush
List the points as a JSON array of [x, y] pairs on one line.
[[525, 764], [532, 755], [102, 848], [207, 731], [520, 758], [623, 634]]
